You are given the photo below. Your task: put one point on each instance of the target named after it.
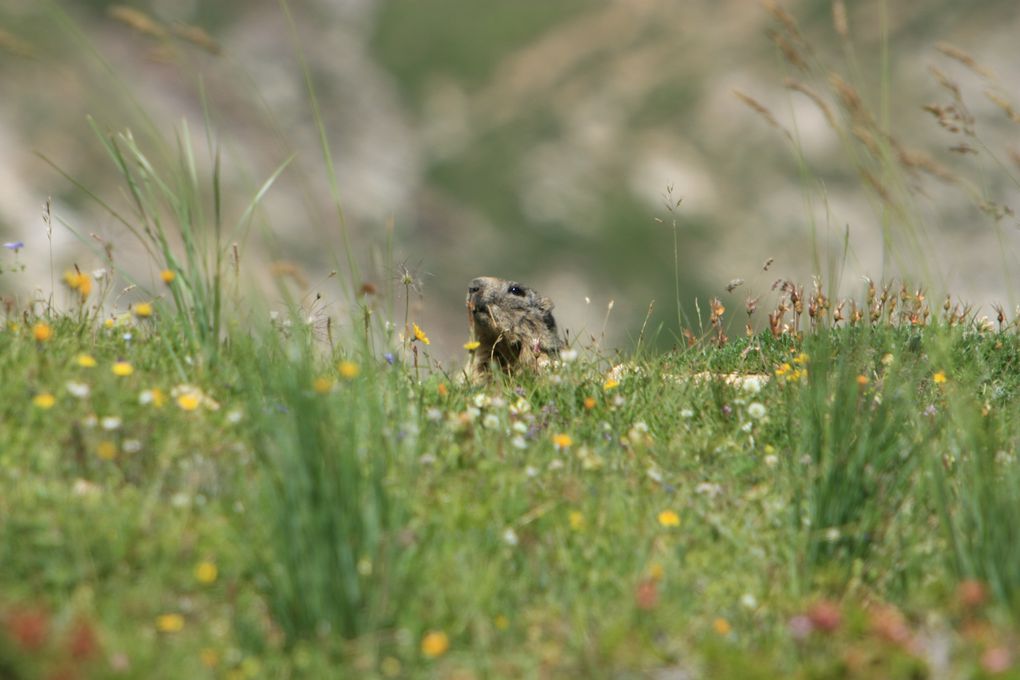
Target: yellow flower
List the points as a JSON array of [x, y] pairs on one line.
[[188, 401], [106, 450], [122, 369], [206, 572], [348, 370], [78, 281], [42, 332], [562, 441], [668, 518], [419, 335], [209, 656], [143, 310], [167, 276], [801, 359], [721, 626], [44, 400], [85, 361], [576, 520], [322, 385], [939, 378], [502, 622], [783, 370], [863, 380], [169, 623], [435, 643], [610, 384], [472, 346], [154, 396], [589, 403], [655, 571]]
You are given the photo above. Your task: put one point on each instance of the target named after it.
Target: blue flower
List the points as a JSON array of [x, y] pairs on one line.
[[389, 358], [14, 245]]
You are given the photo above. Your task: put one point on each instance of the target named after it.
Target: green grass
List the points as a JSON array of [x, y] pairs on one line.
[[348, 519]]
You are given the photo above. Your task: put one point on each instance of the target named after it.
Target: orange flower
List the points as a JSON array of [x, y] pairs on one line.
[[434, 644], [42, 332]]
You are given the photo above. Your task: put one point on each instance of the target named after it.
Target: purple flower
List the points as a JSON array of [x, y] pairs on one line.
[[14, 245], [389, 358], [930, 411]]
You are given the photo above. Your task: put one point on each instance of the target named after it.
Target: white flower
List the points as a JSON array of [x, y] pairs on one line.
[[434, 415], [77, 389], [510, 536], [98, 274], [556, 464], [520, 406], [655, 475], [771, 460], [145, 397], [131, 446], [490, 421], [568, 355], [110, 423], [471, 412], [756, 410], [427, 459], [752, 384], [531, 471], [832, 534], [518, 442], [234, 416], [519, 426], [686, 413], [481, 400], [90, 420]]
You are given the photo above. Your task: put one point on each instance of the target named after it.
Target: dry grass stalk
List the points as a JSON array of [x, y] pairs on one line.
[[197, 36], [850, 98], [760, 109], [811, 94], [839, 20], [136, 20], [783, 17], [1003, 104], [879, 187], [921, 161], [15, 46], [790, 53], [964, 58]]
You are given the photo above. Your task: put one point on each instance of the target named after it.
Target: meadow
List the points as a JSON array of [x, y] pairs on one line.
[[200, 478]]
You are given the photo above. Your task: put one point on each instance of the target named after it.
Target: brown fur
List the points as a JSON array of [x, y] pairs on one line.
[[513, 324]]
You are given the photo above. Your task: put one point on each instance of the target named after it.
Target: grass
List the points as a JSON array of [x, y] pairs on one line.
[[186, 490], [299, 509]]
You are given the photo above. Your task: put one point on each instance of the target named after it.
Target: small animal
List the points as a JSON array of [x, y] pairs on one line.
[[513, 325]]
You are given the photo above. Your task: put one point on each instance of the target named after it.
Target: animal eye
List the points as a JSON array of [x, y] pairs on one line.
[[514, 289]]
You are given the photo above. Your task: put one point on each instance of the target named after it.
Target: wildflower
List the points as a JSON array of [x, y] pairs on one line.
[[801, 359], [29, 628], [154, 396], [106, 450], [721, 626], [435, 644], [748, 601], [234, 417], [108, 323], [562, 441], [752, 384], [568, 355], [322, 384], [143, 310], [519, 442], [210, 657], [131, 446], [78, 282], [589, 403], [122, 369], [686, 413], [85, 361], [472, 346], [206, 572], [783, 370], [610, 384], [939, 378], [110, 423], [348, 370], [167, 276], [646, 594], [77, 389], [824, 616], [42, 332], [419, 334], [442, 390], [490, 421], [44, 400], [510, 537], [863, 380], [390, 667], [756, 410], [576, 520], [501, 622], [188, 401], [655, 571], [14, 245], [169, 623], [668, 518], [971, 594]]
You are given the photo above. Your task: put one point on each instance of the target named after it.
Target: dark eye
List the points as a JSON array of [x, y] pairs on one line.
[[514, 289]]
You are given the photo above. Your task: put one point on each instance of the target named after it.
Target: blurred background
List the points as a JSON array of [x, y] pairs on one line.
[[585, 148]]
